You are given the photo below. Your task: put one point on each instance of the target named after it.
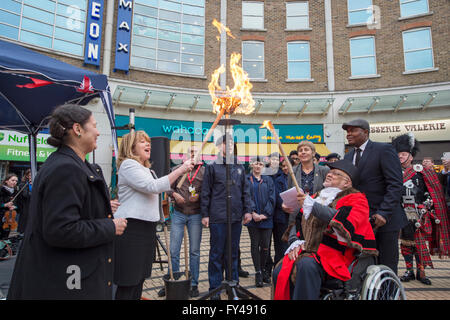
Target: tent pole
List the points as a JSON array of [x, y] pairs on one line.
[[33, 150]]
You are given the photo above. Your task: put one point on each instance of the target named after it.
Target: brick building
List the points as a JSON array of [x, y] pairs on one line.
[[311, 63]]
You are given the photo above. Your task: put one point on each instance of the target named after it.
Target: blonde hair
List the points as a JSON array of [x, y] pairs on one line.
[[307, 144], [126, 148]]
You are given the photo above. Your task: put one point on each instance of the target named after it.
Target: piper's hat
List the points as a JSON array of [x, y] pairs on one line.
[[359, 123], [346, 166], [406, 143], [333, 155]]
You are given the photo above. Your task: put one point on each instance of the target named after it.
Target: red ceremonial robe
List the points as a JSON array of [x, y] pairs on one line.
[[351, 222]]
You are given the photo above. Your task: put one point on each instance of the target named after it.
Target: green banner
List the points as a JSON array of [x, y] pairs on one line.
[[14, 146], [16, 153]]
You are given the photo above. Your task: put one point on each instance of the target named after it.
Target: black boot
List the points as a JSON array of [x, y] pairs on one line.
[[258, 279], [420, 275], [266, 276], [408, 276]]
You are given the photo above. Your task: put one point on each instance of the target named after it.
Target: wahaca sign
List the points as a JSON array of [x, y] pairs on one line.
[[427, 130]]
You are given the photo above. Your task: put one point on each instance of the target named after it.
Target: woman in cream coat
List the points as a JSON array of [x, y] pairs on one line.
[[139, 191]]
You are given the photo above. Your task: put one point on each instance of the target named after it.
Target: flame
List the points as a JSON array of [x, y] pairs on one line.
[[220, 27], [268, 125], [238, 99]]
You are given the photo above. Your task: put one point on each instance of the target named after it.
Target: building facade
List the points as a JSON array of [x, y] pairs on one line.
[[311, 63]]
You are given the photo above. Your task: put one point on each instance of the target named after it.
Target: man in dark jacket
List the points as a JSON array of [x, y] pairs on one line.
[[380, 179], [213, 206]]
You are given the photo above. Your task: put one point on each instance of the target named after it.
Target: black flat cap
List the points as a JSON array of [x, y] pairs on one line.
[[346, 166], [359, 123]]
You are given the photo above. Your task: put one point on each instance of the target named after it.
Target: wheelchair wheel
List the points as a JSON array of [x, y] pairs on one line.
[[381, 283]]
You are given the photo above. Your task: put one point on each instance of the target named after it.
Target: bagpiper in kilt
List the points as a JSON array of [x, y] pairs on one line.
[[423, 199]]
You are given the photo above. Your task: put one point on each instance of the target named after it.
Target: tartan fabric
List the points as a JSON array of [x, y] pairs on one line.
[[440, 242], [437, 234]]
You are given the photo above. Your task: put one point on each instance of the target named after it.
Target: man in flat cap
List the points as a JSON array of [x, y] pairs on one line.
[[380, 179]]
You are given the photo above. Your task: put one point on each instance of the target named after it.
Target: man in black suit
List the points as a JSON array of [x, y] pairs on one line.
[[380, 179]]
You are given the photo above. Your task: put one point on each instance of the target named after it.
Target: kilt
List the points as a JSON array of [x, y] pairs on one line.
[[134, 252]]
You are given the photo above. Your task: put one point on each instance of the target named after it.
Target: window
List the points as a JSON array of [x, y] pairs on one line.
[[253, 59], [169, 36], [360, 12], [413, 7], [297, 15], [299, 64], [418, 49], [252, 15], [362, 53], [54, 24]]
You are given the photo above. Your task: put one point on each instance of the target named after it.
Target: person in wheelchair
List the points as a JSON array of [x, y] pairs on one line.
[[330, 231]]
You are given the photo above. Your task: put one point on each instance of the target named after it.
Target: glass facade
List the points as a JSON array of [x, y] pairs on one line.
[[413, 7], [253, 59], [54, 24], [299, 61], [418, 49], [363, 60], [169, 36]]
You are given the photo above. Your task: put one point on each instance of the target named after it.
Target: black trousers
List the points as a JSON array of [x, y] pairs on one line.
[[259, 245], [387, 246]]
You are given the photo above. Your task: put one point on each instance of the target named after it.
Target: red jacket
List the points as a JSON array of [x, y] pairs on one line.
[[335, 255]]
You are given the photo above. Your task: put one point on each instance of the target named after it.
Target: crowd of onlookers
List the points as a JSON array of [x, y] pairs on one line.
[[75, 228]]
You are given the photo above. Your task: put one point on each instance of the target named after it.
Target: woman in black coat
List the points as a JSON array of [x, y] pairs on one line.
[[67, 250]]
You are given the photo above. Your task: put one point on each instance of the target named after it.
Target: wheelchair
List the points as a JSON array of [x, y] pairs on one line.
[[369, 281]]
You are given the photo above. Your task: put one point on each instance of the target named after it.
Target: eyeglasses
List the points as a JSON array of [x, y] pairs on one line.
[[336, 173]]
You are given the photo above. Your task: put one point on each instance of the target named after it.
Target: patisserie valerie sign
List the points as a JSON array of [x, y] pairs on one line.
[[426, 130]]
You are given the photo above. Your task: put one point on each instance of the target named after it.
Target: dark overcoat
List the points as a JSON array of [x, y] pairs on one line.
[[380, 179], [67, 250]]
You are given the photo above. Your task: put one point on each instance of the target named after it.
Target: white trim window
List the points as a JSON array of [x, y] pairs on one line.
[[363, 56], [253, 59], [52, 24], [299, 60], [253, 15], [169, 36], [413, 7], [418, 49], [297, 15], [360, 12]]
